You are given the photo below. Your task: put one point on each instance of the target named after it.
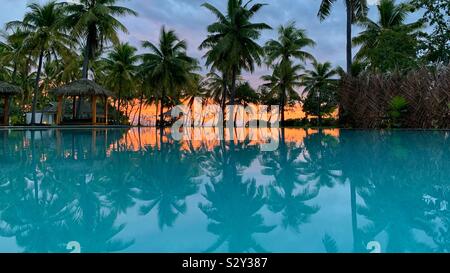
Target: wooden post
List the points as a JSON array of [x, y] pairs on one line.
[[6, 111], [59, 110], [106, 110], [94, 109]]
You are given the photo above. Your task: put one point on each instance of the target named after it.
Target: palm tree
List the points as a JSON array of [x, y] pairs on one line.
[[290, 44], [233, 209], [12, 57], [121, 67], [94, 21], [390, 17], [356, 10], [166, 186], [319, 85], [284, 166], [284, 81], [232, 40], [168, 64], [320, 163], [217, 87], [45, 27]]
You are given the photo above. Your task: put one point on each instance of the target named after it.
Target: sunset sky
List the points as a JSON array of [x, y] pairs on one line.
[[190, 20]]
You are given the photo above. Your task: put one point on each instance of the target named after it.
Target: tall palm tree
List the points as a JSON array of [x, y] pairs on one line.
[[232, 40], [45, 27], [121, 67], [94, 21], [283, 82], [390, 17], [289, 45], [168, 64], [319, 82], [356, 10]]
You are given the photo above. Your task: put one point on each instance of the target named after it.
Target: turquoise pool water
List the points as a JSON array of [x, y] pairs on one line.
[[131, 191]]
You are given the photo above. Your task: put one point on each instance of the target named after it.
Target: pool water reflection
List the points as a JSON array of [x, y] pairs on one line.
[[133, 191]]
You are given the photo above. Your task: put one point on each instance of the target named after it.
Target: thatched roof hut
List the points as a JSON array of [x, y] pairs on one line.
[[82, 87], [9, 89]]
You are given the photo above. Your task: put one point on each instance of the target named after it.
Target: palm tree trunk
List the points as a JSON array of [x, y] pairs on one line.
[[232, 98], [233, 86], [156, 112], [282, 104], [224, 97], [349, 37], [118, 104], [161, 118], [36, 88], [140, 108]]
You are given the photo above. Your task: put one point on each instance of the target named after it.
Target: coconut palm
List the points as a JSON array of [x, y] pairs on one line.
[[95, 22], [319, 163], [320, 87], [391, 17], [289, 45], [356, 10], [121, 67], [168, 65], [45, 27], [232, 208], [283, 82], [231, 42], [284, 166], [166, 186], [217, 86], [12, 57]]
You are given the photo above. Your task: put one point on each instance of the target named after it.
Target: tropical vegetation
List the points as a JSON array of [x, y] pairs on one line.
[[59, 42]]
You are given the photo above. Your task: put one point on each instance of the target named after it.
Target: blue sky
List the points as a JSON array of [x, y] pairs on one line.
[[190, 20]]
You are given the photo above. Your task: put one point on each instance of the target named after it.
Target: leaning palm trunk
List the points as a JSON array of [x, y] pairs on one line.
[[36, 87]]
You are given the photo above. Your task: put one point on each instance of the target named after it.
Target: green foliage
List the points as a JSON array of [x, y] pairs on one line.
[[435, 46], [232, 40], [397, 108], [396, 50], [245, 94], [389, 43], [320, 90]]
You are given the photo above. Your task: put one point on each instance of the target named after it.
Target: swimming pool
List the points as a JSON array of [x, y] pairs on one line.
[[113, 190]]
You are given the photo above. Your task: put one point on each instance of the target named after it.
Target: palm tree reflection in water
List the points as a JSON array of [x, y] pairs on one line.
[[58, 186]]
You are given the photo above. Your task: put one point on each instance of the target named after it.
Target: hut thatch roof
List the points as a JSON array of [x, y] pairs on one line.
[[82, 88], [9, 89]]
